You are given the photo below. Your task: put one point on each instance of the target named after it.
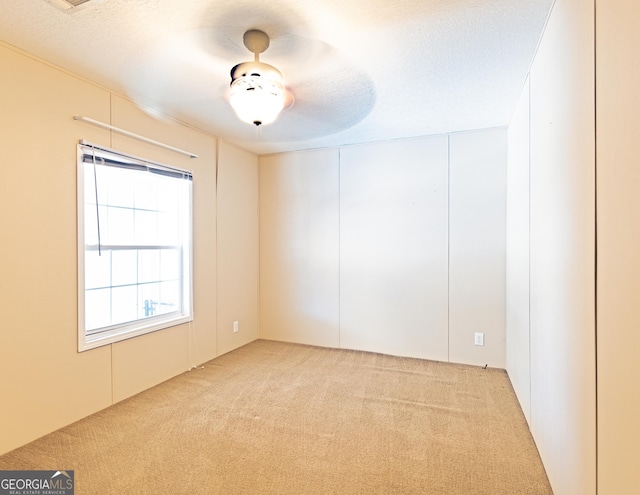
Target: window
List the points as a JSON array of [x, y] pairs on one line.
[[134, 246]]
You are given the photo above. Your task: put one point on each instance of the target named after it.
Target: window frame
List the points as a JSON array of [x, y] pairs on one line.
[[141, 326]]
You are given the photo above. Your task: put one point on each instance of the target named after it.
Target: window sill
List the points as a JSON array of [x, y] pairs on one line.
[[128, 331]]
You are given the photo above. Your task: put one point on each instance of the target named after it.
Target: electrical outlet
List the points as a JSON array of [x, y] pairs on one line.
[[479, 338], [235, 327]]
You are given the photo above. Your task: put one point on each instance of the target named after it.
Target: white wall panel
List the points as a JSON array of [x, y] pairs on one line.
[[477, 247], [563, 388], [517, 282], [370, 269], [393, 248], [299, 247]]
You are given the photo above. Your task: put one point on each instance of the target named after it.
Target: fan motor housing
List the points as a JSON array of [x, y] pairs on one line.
[[257, 69], [256, 41]]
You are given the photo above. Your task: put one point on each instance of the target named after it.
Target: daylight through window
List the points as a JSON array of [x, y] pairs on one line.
[[134, 233]]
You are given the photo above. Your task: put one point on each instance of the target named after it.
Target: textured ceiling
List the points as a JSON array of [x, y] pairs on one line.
[[360, 71]]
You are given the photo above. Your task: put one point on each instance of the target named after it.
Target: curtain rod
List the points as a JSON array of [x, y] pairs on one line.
[[132, 135]]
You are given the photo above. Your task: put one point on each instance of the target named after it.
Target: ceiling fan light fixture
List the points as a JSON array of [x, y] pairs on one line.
[[257, 93], [256, 100]]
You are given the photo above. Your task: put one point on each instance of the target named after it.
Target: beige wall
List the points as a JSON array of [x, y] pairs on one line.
[[150, 359], [561, 150], [44, 382], [356, 244], [618, 178], [238, 247]]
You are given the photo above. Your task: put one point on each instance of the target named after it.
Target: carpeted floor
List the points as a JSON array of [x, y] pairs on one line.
[[276, 418]]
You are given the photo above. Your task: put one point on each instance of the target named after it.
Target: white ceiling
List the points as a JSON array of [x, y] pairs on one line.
[[360, 70]]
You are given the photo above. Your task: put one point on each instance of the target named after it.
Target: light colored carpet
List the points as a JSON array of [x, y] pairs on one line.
[[276, 418]]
